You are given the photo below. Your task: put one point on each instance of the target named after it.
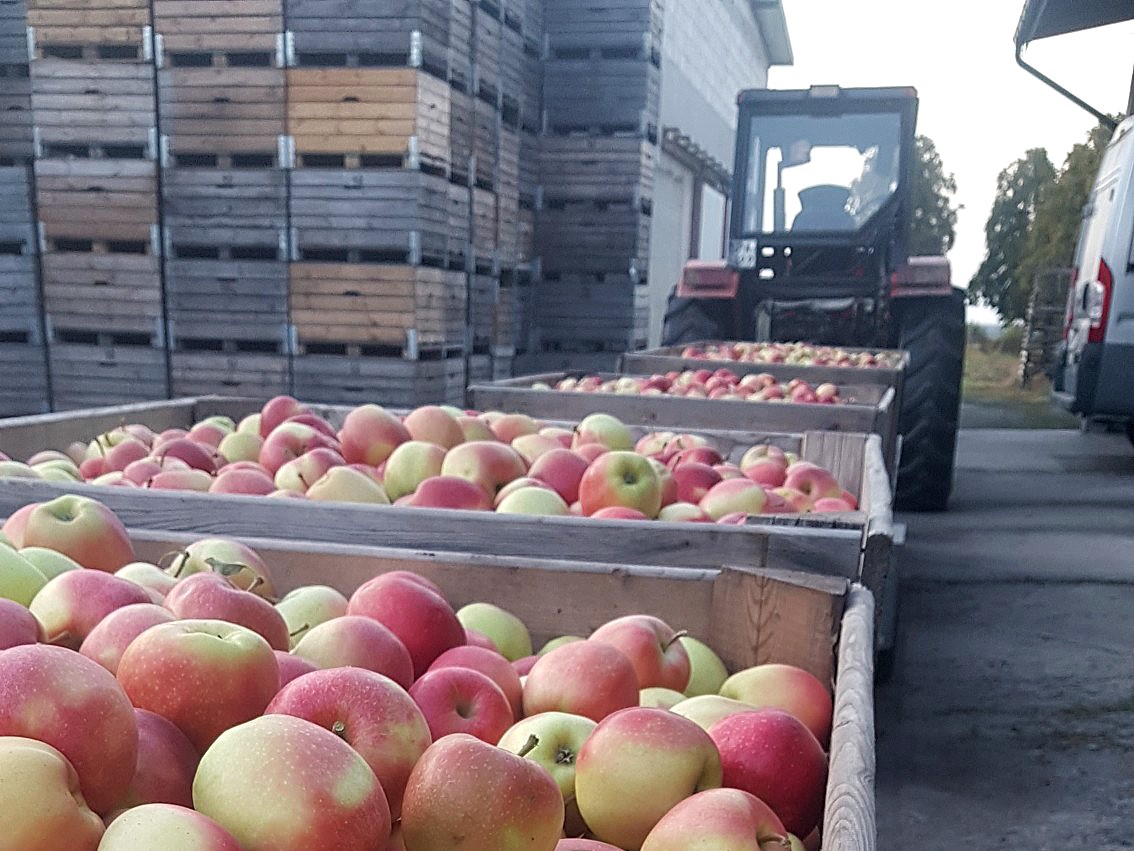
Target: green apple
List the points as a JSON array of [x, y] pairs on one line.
[[705, 710], [409, 465], [558, 642], [250, 424], [20, 580], [659, 698], [503, 629], [346, 484], [18, 470], [308, 606], [534, 500], [610, 431], [49, 562], [707, 672], [241, 446]]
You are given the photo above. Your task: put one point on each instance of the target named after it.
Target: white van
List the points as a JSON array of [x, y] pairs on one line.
[[1094, 376]]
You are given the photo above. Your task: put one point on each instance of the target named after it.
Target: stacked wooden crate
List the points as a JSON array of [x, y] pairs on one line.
[[377, 282], [602, 84], [222, 113], [96, 194]]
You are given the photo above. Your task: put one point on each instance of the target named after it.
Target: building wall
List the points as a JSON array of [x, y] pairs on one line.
[[712, 49]]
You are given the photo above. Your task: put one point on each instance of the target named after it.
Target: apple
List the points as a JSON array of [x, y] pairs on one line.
[[370, 434], [410, 464], [71, 605], [90, 720], [208, 432], [18, 626], [565, 436], [240, 446], [605, 430], [492, 665], [659, 698], [621, 479], [301, 473], [40, 800], [828, 504], [462, 700], [683, 512], [772, 755], [316, 422], [707, 672], [359, 642], [654, 443], [280, 783], [587, 678], [465, 793], [16, 524], [20, 581], [347, 484], [517, 484], [308, 606], [584, 845], [590, 451], [796, 501], [449, 492], [475, 428], [291, 441], [198, 456], [694, 480], [563, 470], [49, 562], [371, 713], [559, 737], [524, 666], [148, 576], [275, 411], [705, 710], [19, 470], [414, 612], [79, 527], [720, 820], [232, 559], [242, 482], [489, 464], [181, 480], [619, 512], [786, 687], [211, 596], [203, 675], [812, 480], [479, 639], [166, 826], [558, 641], [166, 764], [142, 471], [110, 637], [509, 427], [636, 766], [433, 424], [653, 648], [734, 495], [503, 628]]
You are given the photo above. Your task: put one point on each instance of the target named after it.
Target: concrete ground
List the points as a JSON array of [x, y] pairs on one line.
[[1009, 722]]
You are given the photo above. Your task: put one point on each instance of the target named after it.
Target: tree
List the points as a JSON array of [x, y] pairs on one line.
[[1055, 229], [933, 227], [1019, 189]]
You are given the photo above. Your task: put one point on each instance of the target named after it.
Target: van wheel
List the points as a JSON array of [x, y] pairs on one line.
[[932, 330]]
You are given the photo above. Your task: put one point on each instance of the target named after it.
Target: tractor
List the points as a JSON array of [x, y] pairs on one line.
[[820, 219]]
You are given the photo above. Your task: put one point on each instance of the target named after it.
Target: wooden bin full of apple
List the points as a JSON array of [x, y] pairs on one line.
[[272, 695]]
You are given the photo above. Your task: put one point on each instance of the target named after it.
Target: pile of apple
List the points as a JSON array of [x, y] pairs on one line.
[[723, 384], [185, 709], [803, 354], [439, 457]]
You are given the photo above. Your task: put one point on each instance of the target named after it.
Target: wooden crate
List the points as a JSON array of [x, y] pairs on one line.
[[460, 44], [485, 145], [410, 308], [748, 617], [617, 21], [91, 293], [338, 379], [484, 295], [577, 315], [222, 111], [578, 168], [487, 42], [17, 234], [219, 33], [96, 109], [199, 373], [484, 222], [510, 317], [16, 134], [13, 32], [225, 198], [374, 33], [461, 134], [366, 216], [358, 117], [594, 237], [24, 365], [97, 200], [512, 67], [91, 30], [460, 224], [85, 375], [227, 300], [603, 94]]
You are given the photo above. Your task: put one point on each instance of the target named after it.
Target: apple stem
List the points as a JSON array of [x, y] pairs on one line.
[[339, 729], [677, 636], [301, 628], [177, 566], [530, 745]]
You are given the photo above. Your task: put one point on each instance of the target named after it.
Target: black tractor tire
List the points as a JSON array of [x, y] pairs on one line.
[[690, 320], [932, 330]]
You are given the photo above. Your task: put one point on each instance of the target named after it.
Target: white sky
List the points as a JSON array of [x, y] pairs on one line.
[[980, 108]]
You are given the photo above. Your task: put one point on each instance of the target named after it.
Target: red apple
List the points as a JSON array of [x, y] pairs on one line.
[[166, 764], [72, 604], [280, 783], [111, 636], [181, 480], [813, 481], [449, 492], [292, 667], [486, 463], [414, 612], [773, 756], [77, 526], [694, 480], [469, 794], [587, 678], [508, 427], [734, 495], [203, 675], [211, 596], [243, 482], [359, 642], [462, 700], [166, 826], [787, 687], [371, 713], [290, 441], [278, 409], [18, 626], [301, 473], [492, 665], [370, 434], [623, 479], [719, 820], [433, 424], [653, 648], [64, 699], [684, 512], [619, 512]]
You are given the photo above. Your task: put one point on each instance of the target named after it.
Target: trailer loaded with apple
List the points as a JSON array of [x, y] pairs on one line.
[[818, 251]]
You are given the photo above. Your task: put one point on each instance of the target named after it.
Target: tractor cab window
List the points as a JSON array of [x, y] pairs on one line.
[[808, 173]]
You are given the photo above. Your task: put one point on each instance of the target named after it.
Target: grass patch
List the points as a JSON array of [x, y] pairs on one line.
[[992, 384]]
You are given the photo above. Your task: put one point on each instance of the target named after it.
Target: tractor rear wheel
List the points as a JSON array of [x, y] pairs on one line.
[[690, 320], [932, 330]]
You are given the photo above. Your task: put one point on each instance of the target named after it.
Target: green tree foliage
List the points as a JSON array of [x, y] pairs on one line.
[[933, 227], [1055, 229], [1019, 189]]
